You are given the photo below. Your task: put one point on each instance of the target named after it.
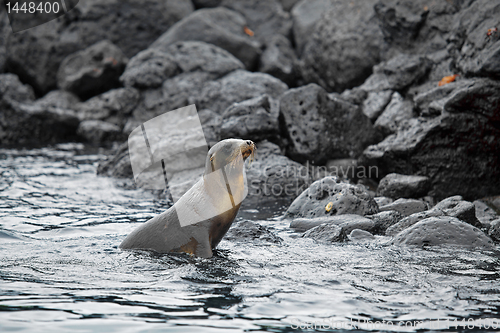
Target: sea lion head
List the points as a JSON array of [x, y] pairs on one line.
[[230, 152]]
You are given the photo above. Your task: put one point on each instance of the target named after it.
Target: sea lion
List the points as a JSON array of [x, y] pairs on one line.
[[197, 222]]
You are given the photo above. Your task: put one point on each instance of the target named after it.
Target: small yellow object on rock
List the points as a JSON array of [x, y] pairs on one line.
[[329, 206]]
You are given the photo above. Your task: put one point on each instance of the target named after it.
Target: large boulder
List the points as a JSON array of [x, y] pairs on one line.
[[443, 230], [464, 138], [329, 196], [35, 54], [338, 228], [279, 60], [403, 186], [322, 128], [219, 26], [93, 70], [347, 42]]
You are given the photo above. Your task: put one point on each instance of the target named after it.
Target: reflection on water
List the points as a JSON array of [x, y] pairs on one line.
[[61, 270]]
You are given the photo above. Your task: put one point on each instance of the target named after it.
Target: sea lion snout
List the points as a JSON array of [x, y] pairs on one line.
[[249, 149]]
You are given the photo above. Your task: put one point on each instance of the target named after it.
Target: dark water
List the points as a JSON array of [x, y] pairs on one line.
[[60, 269]]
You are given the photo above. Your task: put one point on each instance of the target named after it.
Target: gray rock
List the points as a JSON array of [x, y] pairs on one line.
[[256, 118], [406, 207], [93, 70], [288, 4], [59, 99], [327, 232], [310, 116], [238, 86], [5, 31], [397, 73], [35, 54], [382, 201], [279, 60], [358, 235], [206, 3], [338, 227], [347, 42], [484, 213], [266, 18], [376, 102], [408, 221], [494, 231], [272, 177], [343, 168], [444, 230], [329, 196], [384, 220], [247, 230], [219, 26], [98, 131], [396, 112], [348, 222], [306, 14], [403, 186], [117, 165], [11, 89], [211, 123]]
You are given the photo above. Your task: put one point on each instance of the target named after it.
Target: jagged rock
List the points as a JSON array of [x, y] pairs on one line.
[[376, 102], [265, 18], [247, 230], [305, 14], [484, 213], [403, 186], [394, 114], [98, 131], [132, 25], [443, 230], [406, 207], [310, 116], [279, 60], [344, 47], [256, 118], [273, 177], [238, 86], [494, 231], [358, 235], [384, 220], [348, 222], [397, 73], [93, 70], [329, 196], [219, 26], [11, 89], [151, 67]]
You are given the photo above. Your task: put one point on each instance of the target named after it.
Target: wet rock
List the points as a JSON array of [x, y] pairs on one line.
[[273, 176], [408, 221], [132, 25], [358, 235], [477, 54], [375, 103], [256, 118], [93, 70], [484, 213], [346, 44], [98, 131], [279, 60], [219, 26], [305, 14], [329, 196], [443, 230], [247, 230], [238, 86], [397, 73], [384, 220], [494, 231], [348, 222], [382, 201], [151, 67], [114, 106], [117, 165], [344, 225], [464, 134], [310, 116], [396, 112], [406, 207], [326, 232], [403, 186], [266, 18]]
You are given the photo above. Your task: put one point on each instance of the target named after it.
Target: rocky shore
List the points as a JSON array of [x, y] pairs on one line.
[[371, 117]]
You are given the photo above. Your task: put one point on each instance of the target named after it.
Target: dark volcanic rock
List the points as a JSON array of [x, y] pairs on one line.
[[443, 230], [348, 222], [384, 220], [256, 118], [329, 196], [403, 186], [406, 206], [238, 86], [346, 44], [394, 114], [279, 60], [322, 128], [11, 89], [464, 139], [151, 67], [247, 230], [494, 231], [35, 54], [93, 70], [118, 165], [326, 232], [98, 131], [219, 26], [338, 227], [375, 103]]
